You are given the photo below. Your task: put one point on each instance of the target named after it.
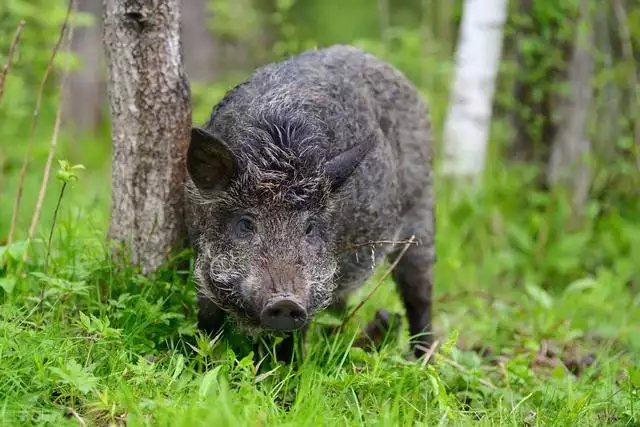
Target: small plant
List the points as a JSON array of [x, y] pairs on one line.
[[67, 174]]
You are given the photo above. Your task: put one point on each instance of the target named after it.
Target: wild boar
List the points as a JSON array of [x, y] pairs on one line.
[[295, 171]]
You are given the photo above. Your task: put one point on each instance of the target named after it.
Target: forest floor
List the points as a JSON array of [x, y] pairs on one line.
[[537, 324]]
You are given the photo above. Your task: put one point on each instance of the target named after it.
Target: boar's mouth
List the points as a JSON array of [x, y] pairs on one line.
[[255, 319], [227, 298], [283, 313]]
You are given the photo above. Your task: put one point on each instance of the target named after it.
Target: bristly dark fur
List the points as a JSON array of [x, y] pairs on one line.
[[283, 126], [280, 163]]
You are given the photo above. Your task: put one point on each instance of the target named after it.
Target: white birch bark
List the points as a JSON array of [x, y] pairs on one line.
[[478, 54]]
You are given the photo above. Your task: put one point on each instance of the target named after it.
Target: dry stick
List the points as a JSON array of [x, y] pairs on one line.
[[627, 52], [12, 49], [25, 161], [428, 355], [77, 416], [47, 168], [377, 242], [382, 279], [5, 71]]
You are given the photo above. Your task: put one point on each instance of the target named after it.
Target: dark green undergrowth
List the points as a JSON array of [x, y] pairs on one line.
[[536, 325]]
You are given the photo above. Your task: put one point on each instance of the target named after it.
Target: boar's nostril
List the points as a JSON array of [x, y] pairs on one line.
[[283, 314]]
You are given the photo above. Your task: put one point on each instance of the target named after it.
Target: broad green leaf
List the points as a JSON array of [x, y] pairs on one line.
[[539, 295], [208, 380], [634, 375], [8, 284], [580, 285]]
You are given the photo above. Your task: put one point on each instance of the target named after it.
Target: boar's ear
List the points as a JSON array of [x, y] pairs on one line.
[[210, 162], [340, 168]]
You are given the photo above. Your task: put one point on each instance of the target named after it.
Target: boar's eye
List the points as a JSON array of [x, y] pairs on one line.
[[244, 228], [312, 229]]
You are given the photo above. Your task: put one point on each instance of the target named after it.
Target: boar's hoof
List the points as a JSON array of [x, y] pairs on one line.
[[283, 314], [383, 325]]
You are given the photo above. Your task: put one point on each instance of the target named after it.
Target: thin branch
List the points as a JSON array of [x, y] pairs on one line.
[[378, 242], [429, 353], [25, 161], [52, 151], [5, 71], [627, 52], [382, 279], [72, 412], [12, 50], [47, 168]]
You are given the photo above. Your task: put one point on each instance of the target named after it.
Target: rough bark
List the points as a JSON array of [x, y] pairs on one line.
[[85, 96], [151, 120], [568, 166], [477, 59]]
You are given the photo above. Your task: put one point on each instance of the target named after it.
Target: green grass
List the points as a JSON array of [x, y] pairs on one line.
[[537, 325]]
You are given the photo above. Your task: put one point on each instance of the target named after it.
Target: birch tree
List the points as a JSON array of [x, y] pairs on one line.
[[478, 53], [151, 121]]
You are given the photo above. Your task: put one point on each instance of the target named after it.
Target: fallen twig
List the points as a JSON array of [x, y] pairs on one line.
[[429, 353], [382, 279], [12, 49], [72, 412], [25, 161]]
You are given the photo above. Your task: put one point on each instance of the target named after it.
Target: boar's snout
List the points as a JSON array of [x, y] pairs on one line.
[[283, 314]]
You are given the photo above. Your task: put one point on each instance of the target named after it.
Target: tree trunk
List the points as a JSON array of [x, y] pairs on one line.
[[525, 146], [200, 46], [477, 59], [533, 117], [151, 120], [626, 38], [84, 96], [608, 99], [567, 166]]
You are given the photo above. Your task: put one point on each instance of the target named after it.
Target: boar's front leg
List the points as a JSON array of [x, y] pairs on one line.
[[290, 349], [414, 278], [210, 317]]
